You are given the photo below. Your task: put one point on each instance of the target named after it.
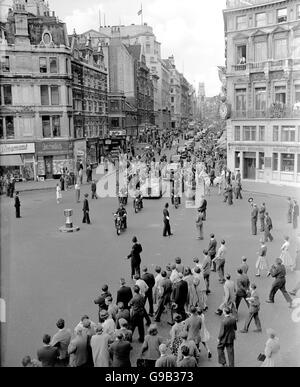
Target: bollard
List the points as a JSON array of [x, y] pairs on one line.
[[68, 227]]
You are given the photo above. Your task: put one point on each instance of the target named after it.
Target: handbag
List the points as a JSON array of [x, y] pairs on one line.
[[261, 357]]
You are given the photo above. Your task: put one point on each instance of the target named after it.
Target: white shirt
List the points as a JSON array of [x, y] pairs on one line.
[[174, 276], [143, 286], [222, 252]]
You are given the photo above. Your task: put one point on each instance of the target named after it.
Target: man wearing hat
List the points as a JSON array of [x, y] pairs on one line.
[[86, 210], [17, 205], [180, 295], [278, 272], [254, 216], [135, 257]]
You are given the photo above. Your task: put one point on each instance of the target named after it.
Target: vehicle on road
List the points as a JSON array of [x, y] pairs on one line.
[[152, 188], [137, 204], [119, 223]]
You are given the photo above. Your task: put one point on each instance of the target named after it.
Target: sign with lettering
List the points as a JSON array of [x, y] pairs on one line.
[[54, 147], [117, 133], [15, 149]]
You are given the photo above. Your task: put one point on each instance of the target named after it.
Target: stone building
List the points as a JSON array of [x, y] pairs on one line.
[[263, 89]]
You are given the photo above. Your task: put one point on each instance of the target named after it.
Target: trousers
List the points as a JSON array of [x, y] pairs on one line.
[[167, 228], [230, 354], [86, 217], [279, 284], [253, 314]]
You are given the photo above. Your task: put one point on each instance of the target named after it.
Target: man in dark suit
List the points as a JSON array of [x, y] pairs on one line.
[[17, 205], [254, 216], [135, 257], [226, 338], [165, 295], [242, 286], [212, 251], [278, 272], [203, 208], [48, 355], [124, 294], [86, 210], [78, 349], [150, 281], [167, 227], [120, 352], [137, 303], [100, 301], [268, 228], [179, 295]]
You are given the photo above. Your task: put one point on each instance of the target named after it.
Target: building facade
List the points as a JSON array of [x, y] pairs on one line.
[[36, 94], [263, 89], [175, 94]]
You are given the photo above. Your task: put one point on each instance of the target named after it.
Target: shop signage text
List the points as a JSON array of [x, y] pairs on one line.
[[54, 147], [13, 149]]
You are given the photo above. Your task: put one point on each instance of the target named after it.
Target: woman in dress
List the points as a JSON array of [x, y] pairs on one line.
[[58, 194], [204, 334], [285, 256], [272, 350], [175, 332], [100, 351], [189, 279], [262, 261]]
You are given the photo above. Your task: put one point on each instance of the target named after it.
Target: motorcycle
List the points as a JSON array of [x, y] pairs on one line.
[[123, 200], [137, 205], [176, 201], [119, 223]]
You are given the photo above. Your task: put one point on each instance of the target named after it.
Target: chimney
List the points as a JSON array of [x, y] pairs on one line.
[[53, 13]]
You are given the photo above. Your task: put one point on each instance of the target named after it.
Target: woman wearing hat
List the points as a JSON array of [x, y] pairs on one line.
[[272, 350]]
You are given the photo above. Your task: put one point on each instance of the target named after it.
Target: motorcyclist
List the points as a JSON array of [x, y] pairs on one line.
[[123, 195], [121, 211], [139, 197]]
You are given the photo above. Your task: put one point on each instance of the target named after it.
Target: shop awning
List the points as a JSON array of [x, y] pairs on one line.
[[11, 161]]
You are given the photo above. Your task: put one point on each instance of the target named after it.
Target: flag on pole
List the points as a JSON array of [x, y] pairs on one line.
[[140, 12]]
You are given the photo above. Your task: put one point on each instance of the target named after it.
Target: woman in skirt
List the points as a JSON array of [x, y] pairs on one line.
[[262, 261], [285, 256]]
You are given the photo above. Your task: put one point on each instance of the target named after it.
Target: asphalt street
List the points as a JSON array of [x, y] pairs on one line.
[[47, 274]]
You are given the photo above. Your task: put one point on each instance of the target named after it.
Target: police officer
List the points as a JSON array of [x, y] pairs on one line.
[[167, 227], [17, 205], [254, 216]]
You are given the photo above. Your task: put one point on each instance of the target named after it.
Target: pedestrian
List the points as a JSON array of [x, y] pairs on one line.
[[187, 361], [107, 322], [137, 313], [80, 173], [238, 176], [121, 313], [203, 207], [48, 355], [94, 190], [238, 190], [165, 292], [27, 362], [290, 210], [193, 326], [204, 334], [272, 350], [268, 228], [165, 360], [158, 280], [120, 352], [297, 269], [127, 333], [278, 272], [191, 345], [135, 257], [242, 289], [244, 265], [230, 195], [17, 205], [179, 265], [100, 300], [124, 294], [229, 297], [262, 212], [254, 215], [206, 269], [150, 281], [150, 348], [226, 338], [62, 182], [61, 341], [58, 194], [77, 192], [167, 227], [180, 295], [175, 334], [220, 261], [100, 347], [254, 308], [285, 256], [78, 349], [295, 215], [12, 186], [262, 261], [212, 251], [86, 210], [199, 225]]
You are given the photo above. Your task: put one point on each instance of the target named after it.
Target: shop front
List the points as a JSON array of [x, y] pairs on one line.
[[18, 160], [53, 157], [80, 153], [92, 152]]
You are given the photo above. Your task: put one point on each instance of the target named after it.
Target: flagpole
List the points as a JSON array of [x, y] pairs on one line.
[[142, 14]]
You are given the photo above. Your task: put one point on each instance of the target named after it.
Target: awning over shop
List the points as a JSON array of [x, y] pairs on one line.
[[11, 161]]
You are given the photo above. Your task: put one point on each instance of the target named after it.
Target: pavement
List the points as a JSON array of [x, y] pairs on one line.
[[46, 275]]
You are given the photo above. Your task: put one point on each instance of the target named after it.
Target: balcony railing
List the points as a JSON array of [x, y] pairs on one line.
[[273, 112], [261, 66]]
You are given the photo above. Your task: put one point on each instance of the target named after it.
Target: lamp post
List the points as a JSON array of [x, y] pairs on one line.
[[68, 227]]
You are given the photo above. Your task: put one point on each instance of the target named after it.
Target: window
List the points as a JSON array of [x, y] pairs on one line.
[[298, 17], [281, 48], [240, 101], [297, 94], [275, 133], [287, 162], [43, 65], [115, 122], [296, 47], [249, 133], [241, 54], [53, 65], [275, 162], [260, 51], [260, 19], [237, 133], [5, 64], [46, 126], [260, 99], [54, 95], [7, 96], [288, 134], [148, 48], [1, 128], [241, 23], [9, 124], [237, 161], [44, 95], [280, 94], [261, 134], [261, 161], [56, 126], [282, 15]]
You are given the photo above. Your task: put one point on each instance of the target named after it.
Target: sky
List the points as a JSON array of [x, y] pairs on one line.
[[191, 30]]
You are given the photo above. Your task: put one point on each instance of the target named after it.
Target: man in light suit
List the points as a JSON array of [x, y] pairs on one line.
[[229, 296], [78, 349], [61, 341], [226, 338]]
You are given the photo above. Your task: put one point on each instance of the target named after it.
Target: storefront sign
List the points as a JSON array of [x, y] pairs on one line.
[[80, 153], [54, 147], [14, 149], [117, 133]]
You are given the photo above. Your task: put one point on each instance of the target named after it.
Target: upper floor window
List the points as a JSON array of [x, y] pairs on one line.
[[288, 134], [275, 133], [51, 126], [260, 51], [241, 54], [43, 65], [280, 94], [261, 133], [53, 65], [5, 64], [241, 23], [240, 100], [260, 99], [281, 48], [9, 125], [297, 94], [282, 15], [296, 47], [148, 48], [237, 133], [6, 95], [53, 96], [249, 133], [260, 19]]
